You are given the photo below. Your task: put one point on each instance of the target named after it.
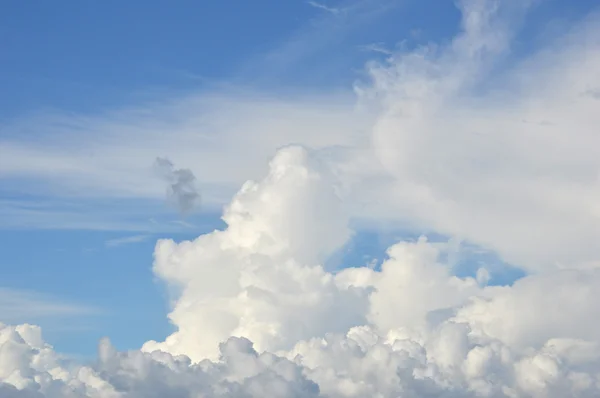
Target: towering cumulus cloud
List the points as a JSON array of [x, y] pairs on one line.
[[260, 278], [258, 314]]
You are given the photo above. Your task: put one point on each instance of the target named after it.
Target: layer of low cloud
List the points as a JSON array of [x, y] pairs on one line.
[[256, 312]]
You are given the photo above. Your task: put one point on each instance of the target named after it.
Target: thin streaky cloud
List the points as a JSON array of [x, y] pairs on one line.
[[18, 305], [331, 29], [324, 7], [183, 223], [46, 213], [376, 47], [126, 240]]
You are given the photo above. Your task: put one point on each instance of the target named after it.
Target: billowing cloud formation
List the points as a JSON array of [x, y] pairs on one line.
[[29, 368], [258, 315], [260, 277], [494, 158], [182, 190]]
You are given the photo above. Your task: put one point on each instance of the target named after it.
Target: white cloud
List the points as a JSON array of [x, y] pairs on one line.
[[31, 366], [460, 160], [449, 154], [410, 328], [569, 311], [260, 277]]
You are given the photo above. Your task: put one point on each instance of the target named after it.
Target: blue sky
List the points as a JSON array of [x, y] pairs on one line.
[[87, 60], [54, 55]]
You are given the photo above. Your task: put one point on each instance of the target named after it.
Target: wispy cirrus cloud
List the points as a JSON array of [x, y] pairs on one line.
[[326, 45], [324, 7], [376, 47], [18, 306], [126, 240], [46, 211]]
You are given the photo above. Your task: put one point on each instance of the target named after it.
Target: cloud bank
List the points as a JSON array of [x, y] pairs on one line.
[[509, 162], [258, 316]]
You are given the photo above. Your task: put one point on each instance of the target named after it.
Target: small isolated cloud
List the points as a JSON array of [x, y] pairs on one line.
[[182, 190], [324, 7], [126, 240]]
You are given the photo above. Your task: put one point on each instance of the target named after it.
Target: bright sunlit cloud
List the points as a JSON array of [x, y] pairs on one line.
[[459, 138]]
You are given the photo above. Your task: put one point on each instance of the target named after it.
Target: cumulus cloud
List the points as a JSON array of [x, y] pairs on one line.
[[261, 277], [258, 314], [454, 356], [30, 368]]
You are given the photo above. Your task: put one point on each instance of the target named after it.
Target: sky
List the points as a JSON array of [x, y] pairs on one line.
[[271, 189]]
